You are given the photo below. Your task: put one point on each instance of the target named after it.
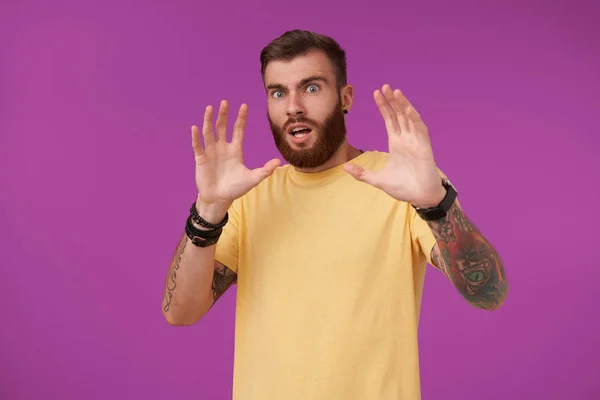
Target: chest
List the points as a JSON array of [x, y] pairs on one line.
[[326, 235]]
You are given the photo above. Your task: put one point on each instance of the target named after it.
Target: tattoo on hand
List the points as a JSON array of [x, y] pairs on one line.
[[468, 260]]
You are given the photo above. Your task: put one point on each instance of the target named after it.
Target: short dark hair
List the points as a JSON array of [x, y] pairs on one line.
[[299, 42]]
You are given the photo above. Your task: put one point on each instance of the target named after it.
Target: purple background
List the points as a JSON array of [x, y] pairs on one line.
[[96, 103]]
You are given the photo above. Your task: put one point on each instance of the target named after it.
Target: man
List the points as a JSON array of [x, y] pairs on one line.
[[329, 252]]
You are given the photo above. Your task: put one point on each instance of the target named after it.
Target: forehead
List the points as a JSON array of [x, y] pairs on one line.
[[290, 72]]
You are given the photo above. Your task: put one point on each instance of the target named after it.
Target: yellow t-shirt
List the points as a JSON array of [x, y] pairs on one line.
[[330, 276]]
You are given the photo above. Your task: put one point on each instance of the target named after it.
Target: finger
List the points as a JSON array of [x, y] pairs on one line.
[[419, 129], [362, 175], [221, 124], [397, 100], [389, 117], [403, 122], [413, 115], [406, 106], [196, 145], [259, 174], [403, 103], [207, 130], [271, 165], [412, 118], [398, 104], [240, 125]]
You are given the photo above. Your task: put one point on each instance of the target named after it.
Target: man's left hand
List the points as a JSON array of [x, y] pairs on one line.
[[411, 174]]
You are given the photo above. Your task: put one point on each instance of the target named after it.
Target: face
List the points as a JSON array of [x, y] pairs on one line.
[[305, 109]]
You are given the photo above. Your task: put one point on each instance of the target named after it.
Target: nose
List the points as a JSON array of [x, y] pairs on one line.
[[295, 107]]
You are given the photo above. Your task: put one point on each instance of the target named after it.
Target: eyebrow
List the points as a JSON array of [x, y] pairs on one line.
[[303, 82]]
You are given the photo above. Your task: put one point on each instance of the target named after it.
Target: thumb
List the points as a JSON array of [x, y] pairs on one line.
[[361, 174], [260, 174]]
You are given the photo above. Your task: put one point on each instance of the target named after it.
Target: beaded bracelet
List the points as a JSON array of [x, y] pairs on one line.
[[202, 222]]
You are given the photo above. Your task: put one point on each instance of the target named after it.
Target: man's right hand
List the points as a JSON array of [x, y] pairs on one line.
[[221, 176]]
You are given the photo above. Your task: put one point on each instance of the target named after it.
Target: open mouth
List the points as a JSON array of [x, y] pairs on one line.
[[300, 132]]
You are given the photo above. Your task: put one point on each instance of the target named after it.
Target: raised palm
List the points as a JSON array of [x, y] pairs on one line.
[[411, 173], [221, 176]]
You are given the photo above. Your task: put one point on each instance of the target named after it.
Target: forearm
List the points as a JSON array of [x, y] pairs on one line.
[[188, 284], [194, 280], [468, 260]]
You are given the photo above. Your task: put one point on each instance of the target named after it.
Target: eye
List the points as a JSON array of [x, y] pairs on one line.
[[276, 93], [312, 89]]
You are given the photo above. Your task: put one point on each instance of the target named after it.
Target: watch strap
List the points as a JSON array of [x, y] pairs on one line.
[[441, 210]]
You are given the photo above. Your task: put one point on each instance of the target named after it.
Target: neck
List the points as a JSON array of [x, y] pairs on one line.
[[345, 153]]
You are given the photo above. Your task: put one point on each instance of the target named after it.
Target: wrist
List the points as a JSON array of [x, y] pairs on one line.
[[213, 213], [435, 201]]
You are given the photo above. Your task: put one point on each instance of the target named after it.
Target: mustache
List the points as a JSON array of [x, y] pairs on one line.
[[299, 120]]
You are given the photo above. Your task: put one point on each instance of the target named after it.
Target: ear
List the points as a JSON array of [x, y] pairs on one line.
[[347, 95]]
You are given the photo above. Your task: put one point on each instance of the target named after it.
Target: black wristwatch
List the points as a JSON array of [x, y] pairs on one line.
[[439, 211]]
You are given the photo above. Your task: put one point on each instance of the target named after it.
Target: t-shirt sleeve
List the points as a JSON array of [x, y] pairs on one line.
[[227, 250], [421, 234]]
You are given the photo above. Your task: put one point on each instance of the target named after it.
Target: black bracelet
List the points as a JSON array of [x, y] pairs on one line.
[[199, 237], [202, 222], [189, 226]]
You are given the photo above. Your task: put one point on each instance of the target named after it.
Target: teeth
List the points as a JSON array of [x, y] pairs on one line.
[[300, 135], [297, 129]]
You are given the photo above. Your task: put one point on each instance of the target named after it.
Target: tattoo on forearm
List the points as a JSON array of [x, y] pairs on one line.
[[172, 277], [223, 278], [468, 260]]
